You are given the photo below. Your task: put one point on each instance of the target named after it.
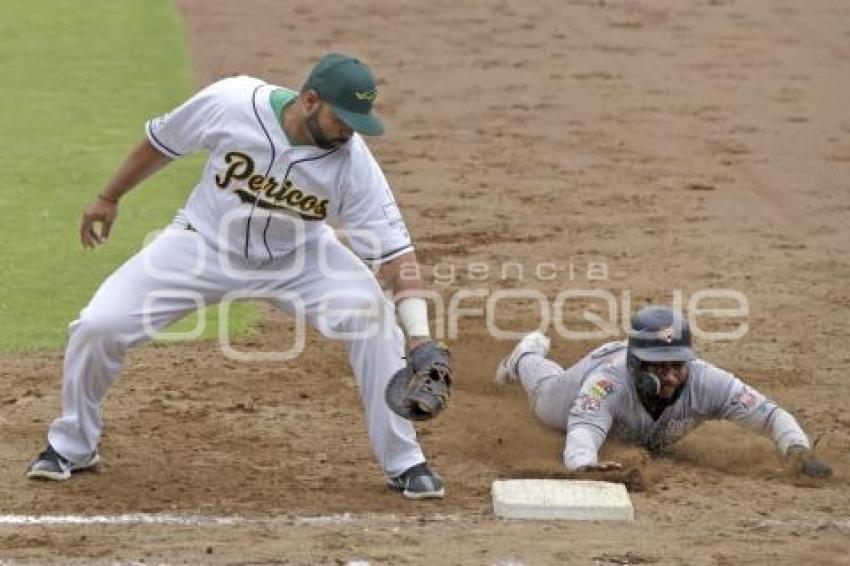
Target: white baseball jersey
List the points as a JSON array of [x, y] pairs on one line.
[[259, 195], [600, 397]]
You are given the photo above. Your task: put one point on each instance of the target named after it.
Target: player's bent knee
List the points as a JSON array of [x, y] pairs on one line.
[[101, 326], [359, 312]]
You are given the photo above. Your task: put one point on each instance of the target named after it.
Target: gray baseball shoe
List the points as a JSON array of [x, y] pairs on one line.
[[50, 465], [418, 482]]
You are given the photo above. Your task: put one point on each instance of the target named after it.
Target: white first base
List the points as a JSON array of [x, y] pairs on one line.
[[574, 500]]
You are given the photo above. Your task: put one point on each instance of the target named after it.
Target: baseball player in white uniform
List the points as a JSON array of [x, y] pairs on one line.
[[651, 387], [281, 165]]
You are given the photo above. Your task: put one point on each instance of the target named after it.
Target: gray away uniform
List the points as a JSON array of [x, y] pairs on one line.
[[590, 398]]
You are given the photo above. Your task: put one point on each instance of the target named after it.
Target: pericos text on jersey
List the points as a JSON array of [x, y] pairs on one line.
[[268, 192]]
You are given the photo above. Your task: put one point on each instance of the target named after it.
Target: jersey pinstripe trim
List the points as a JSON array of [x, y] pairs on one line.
[[161, 147], [390, 255], [268, 170], [767, 423]]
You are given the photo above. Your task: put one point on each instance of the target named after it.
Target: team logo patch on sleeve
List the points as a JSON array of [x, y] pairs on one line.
[[590, 401], [588, 404], [601, 389], [392, 214], [746, 399]]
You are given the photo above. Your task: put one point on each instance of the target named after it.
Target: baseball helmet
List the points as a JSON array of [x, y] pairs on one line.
[[657, 334]]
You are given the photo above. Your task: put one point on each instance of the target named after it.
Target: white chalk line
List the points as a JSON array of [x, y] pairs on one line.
[[196, 520], [840, 524]]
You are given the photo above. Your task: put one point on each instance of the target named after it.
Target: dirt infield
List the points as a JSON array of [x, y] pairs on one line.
[[699, 145]]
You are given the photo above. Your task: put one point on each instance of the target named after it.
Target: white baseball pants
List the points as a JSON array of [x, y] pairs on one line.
[[322, 282]]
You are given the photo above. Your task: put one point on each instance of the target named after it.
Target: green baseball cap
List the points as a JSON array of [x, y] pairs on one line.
[[349, 87]]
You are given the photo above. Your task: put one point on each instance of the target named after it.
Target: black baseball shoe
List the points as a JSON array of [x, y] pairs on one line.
[[50, 465], [418, 482]]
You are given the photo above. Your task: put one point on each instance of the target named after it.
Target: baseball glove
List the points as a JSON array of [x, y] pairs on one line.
[[420, 390], [805, 467]]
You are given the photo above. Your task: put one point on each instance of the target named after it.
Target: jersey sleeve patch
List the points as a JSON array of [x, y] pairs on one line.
[[588, 404], [601, 389], [393, 214], [745, 399], [589, 401]]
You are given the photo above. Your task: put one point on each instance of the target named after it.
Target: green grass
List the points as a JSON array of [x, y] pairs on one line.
[[79, 79]]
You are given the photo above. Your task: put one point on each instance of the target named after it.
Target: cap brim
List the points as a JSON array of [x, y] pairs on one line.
[[366, 124], [665, 354]]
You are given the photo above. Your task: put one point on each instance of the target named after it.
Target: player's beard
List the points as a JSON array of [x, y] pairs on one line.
[[317, 136]]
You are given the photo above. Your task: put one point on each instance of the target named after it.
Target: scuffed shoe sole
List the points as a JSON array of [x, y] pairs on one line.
[[425, 495], [48, 471]]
